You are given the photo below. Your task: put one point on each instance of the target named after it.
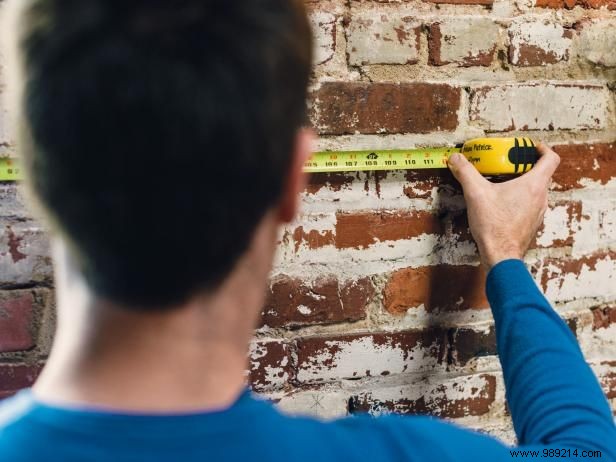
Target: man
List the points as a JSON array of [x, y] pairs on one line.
[[162, 255]]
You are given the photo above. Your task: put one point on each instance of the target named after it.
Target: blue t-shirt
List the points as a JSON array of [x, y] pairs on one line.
[[555, 402]]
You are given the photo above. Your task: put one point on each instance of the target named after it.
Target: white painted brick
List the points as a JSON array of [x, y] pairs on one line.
[[539, 42], [560, 224], [324, 32], [12, 203], [464, 40], [601, 343], [454, 397], [322, 404], [586, 238], [379, 38], [607, 222], [541, 107], [364, 356], [597, 42], [24, 254], [503, 432], [591, 278], [382, 257]]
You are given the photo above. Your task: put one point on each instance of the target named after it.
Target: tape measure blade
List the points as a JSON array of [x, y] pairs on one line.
[[10, 170], [376, 160]]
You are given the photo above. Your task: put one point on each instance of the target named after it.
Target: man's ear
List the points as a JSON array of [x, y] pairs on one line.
[[296, 179]]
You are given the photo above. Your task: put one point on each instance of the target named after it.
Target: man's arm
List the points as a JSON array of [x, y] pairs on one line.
[[552, 393], [553, 396]]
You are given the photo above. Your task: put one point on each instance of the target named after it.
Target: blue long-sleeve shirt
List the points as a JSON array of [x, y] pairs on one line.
[[555, 401]]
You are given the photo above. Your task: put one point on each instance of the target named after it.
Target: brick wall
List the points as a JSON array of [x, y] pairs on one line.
[[377, 301]]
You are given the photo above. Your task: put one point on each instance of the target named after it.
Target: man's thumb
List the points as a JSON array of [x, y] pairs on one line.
[[464, 171]]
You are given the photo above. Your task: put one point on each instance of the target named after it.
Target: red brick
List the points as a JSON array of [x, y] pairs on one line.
[[460, 227], [357, 230], [363, 229], [345, 108], [324, 5], [467, 344], [463, 2], [472, 396], [270, 364], [452, 2], [603, 317], [572, 324], [608, 380], [332, 181], [313, 239], [422, 183], [16, 377], [569, 4], [16, 313], [353, 356], [293, 302], [438, 288], [582, 163]]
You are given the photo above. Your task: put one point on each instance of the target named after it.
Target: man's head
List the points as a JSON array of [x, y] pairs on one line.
[[158, 133]]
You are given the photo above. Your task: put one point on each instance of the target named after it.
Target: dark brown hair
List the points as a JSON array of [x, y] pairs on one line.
[[160, 132]]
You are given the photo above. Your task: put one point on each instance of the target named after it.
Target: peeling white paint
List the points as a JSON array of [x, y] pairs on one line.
[[273, 376], [465, 37], [597, 282], [306, 311], [363, 357], [323, 404], [376, 38], [556, 226], [545, 35], [34, 262], [607, 223], [380, 257], [324, 29], [597, 42], [433, 391], [601, 344], [541, 106]]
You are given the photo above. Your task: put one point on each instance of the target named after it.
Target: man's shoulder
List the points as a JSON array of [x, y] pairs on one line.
[[14, 410], [15, 427]]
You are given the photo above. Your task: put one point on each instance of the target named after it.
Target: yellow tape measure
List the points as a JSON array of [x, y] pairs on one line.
[[491, 156], [10, 169]]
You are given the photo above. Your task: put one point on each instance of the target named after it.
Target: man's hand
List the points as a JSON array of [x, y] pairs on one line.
[[504, 217]]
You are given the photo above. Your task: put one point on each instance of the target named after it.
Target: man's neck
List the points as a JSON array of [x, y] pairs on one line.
[[188, 359]]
